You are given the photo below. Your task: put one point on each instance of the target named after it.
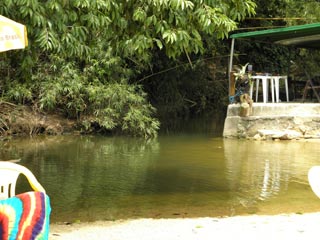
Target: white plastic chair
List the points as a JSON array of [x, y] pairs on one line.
[[9, 173], [314, 179]]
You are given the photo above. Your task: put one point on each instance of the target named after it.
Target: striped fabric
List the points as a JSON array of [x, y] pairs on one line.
[[25, 217]]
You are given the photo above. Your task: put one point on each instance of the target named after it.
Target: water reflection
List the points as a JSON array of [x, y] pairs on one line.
[[76, 172], [253, 169], [263, 170], [92, 178]]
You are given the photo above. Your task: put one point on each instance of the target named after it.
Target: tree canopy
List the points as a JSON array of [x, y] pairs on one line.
[[82, 54], [274, 14], [75, 28]]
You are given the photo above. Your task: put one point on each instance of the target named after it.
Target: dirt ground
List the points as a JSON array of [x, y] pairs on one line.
[[22, 120]]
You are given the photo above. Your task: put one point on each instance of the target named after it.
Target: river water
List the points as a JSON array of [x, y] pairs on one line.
[[92, 178]]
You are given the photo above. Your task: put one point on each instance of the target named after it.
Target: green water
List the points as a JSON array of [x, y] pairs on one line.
[[183, 175]]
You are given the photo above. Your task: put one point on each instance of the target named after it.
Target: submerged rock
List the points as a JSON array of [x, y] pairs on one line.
[[278, 134]]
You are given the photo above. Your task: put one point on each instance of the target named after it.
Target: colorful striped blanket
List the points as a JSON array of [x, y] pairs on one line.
[[25, 217]]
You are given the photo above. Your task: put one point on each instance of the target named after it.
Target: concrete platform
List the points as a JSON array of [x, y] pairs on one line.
[[302, 119]]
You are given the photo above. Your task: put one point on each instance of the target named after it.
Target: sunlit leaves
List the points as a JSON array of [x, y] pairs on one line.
[[82, 3], [170, 36], [47, 40], [111, 106], [123, 105], [159, 43], [240, 9], [213, 20], [139, 15], [139, 44], [20, 92], [181, 4], [107, 42], [65, 26], [178, 24], [54, 6]]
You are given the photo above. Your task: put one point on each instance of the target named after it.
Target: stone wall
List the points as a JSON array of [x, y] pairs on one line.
[[274, 121]]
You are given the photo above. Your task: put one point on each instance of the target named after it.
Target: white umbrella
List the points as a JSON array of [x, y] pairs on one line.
[[13, 35], [314, 179]]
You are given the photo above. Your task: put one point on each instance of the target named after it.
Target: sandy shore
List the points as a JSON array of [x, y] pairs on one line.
[[289, 226]]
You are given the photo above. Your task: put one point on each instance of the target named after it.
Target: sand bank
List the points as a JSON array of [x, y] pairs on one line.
[[286, 226]]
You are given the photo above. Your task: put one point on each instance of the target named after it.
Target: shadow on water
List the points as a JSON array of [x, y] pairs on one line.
[[211, 125], [180, 175]]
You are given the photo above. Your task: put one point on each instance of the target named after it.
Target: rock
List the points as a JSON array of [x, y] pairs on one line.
[[282, 135], [257, 137], [266, 132]]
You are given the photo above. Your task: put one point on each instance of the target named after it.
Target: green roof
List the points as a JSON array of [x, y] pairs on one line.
[[304, 36]]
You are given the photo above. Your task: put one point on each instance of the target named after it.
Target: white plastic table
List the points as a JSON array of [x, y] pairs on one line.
[[265, 82], [276, 80]]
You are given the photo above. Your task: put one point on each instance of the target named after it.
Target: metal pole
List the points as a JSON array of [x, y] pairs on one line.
[[231, 58]]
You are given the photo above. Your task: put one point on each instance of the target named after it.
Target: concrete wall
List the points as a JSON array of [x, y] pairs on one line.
[[275, 120]]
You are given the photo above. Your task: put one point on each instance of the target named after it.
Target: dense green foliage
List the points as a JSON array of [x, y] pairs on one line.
[[119, 66], [279, 59], [76, 28], [186, 91], [85, 57]]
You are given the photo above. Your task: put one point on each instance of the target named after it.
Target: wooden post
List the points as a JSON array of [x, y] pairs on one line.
[[231, 74], [232, 90]]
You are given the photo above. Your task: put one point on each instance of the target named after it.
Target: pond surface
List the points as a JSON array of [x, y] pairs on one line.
[[184, 175]]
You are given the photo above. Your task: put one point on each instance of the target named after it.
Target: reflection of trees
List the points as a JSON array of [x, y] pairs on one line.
[[79, 170], [117, 167]]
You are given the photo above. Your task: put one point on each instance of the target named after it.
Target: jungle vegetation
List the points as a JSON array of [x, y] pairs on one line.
[[124, 66]]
